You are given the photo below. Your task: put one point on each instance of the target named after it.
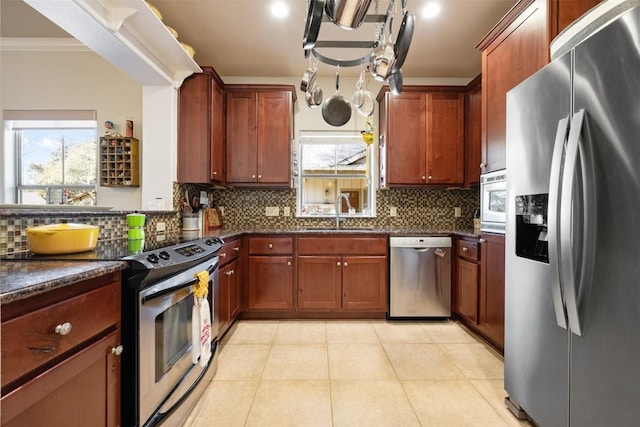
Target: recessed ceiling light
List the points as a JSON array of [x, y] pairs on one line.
[[431, 10], [279, 9]]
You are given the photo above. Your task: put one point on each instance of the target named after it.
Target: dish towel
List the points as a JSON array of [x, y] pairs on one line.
[[201, 320]]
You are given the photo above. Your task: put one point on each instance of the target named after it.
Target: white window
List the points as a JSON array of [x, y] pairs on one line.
[[55, 161], [332, 163]]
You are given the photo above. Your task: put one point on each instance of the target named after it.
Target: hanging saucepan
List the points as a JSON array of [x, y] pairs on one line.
[[309, 77], [312, 26], [384, 57], [403, 41], [336, 110], [348, 14], [314, 96], [395, 82]]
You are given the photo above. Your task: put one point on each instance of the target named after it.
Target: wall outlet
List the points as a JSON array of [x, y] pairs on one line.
[[272, 211], [393, 211], [286, 211], [457, 212], [161, 227]]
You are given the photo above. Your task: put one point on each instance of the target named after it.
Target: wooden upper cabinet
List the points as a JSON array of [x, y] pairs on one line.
[[423, 135], [259, 135], [201, 129], [473, 132], [515, 49]]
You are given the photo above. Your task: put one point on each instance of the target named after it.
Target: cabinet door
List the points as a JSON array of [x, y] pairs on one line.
[[473, 134], [217, 134], [234, 290], [319, 282], [82, 390], [468, 289], [364, 283], [241, 137], [270, 282], [194, 125], [274, 138], [445, 138], [492, 287], [517, 53], [223, 299], [406, 138]]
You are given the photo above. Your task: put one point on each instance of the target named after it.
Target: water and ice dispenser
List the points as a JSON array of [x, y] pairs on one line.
[[531, 227]]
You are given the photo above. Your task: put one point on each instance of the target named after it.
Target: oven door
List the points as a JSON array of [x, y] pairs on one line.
[[493, 202], [166, 372]]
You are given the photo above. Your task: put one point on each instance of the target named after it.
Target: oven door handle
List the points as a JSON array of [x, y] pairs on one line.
[[175, 288]]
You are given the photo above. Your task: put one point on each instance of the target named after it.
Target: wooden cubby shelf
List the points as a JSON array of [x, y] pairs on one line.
[[119, 162]]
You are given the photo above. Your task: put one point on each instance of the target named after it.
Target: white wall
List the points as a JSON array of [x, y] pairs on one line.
[[74, 81]]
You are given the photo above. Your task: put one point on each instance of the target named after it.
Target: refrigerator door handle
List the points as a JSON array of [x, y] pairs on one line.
[[566, 259], [553, 219]]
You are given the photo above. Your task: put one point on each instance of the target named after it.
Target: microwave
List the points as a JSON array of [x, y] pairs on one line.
[[493, 202]]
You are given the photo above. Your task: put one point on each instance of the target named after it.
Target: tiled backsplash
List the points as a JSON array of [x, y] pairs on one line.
[[113, 225], [245, 207], [433, 209]]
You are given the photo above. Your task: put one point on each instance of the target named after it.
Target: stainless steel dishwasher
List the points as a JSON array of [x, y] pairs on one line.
[[420, 277]]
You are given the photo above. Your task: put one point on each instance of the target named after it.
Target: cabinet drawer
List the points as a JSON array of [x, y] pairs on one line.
[[271, 245], [468, 249], [337, 245], [230, 251], [30, 340]]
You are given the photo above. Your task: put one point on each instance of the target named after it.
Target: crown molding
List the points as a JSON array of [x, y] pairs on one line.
[[36, 44]]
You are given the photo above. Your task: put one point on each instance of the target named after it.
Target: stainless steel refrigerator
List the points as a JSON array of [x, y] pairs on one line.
[[572, 298]]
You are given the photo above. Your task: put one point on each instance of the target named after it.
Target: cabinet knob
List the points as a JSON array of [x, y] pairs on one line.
[[338, 263], [117, 350], [223, 255], [429, 177], [483, 165], [289, 263], [259, 177], [63, 329], [346, 264], [237, 248], [214, 173], [424, 178], [253, 177], [481, 240], [464, 249], [270, 245], [228, 273]]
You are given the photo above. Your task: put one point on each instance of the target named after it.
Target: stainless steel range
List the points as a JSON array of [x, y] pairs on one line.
[[162, 373]]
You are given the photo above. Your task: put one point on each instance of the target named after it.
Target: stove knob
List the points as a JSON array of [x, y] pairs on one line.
[[209, 242], [165, 255], [153, 258]]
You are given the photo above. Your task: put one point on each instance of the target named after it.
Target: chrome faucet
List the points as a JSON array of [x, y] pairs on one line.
[[344, 196]]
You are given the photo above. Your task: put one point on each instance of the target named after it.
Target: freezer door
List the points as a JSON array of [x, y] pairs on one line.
[[536, 345], [605, 359]]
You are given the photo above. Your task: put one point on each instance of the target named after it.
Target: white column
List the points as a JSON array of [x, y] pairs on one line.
[[159, 146]]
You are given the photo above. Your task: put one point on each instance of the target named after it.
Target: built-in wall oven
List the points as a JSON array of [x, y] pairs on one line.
[[161, 378], [493, 202]]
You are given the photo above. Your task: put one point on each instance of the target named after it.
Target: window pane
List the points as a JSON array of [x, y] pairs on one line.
[[80, 156], [41, 156], [334, 158]]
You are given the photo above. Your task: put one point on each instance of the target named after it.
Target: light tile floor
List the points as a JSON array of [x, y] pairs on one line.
[[354, 373]]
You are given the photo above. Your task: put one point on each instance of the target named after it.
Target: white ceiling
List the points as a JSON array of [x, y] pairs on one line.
[[242, 38]]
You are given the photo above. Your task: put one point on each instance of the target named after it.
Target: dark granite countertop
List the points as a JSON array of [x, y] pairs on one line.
[[22, 279]]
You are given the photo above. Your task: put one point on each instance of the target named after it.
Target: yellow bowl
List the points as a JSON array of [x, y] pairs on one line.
[[154, 10], [173, 32], [56, 239], [190, 51]]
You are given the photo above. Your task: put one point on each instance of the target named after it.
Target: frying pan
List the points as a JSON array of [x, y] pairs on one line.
[[395, 82], [403, 41], [312, 27], [336, 110]]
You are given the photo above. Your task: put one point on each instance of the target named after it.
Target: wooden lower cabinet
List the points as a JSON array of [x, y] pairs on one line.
[[270, 282], [349, 283], [480, 285], [71, 379], [492, 288], [229, 284], [364, 283], [468, 277]]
